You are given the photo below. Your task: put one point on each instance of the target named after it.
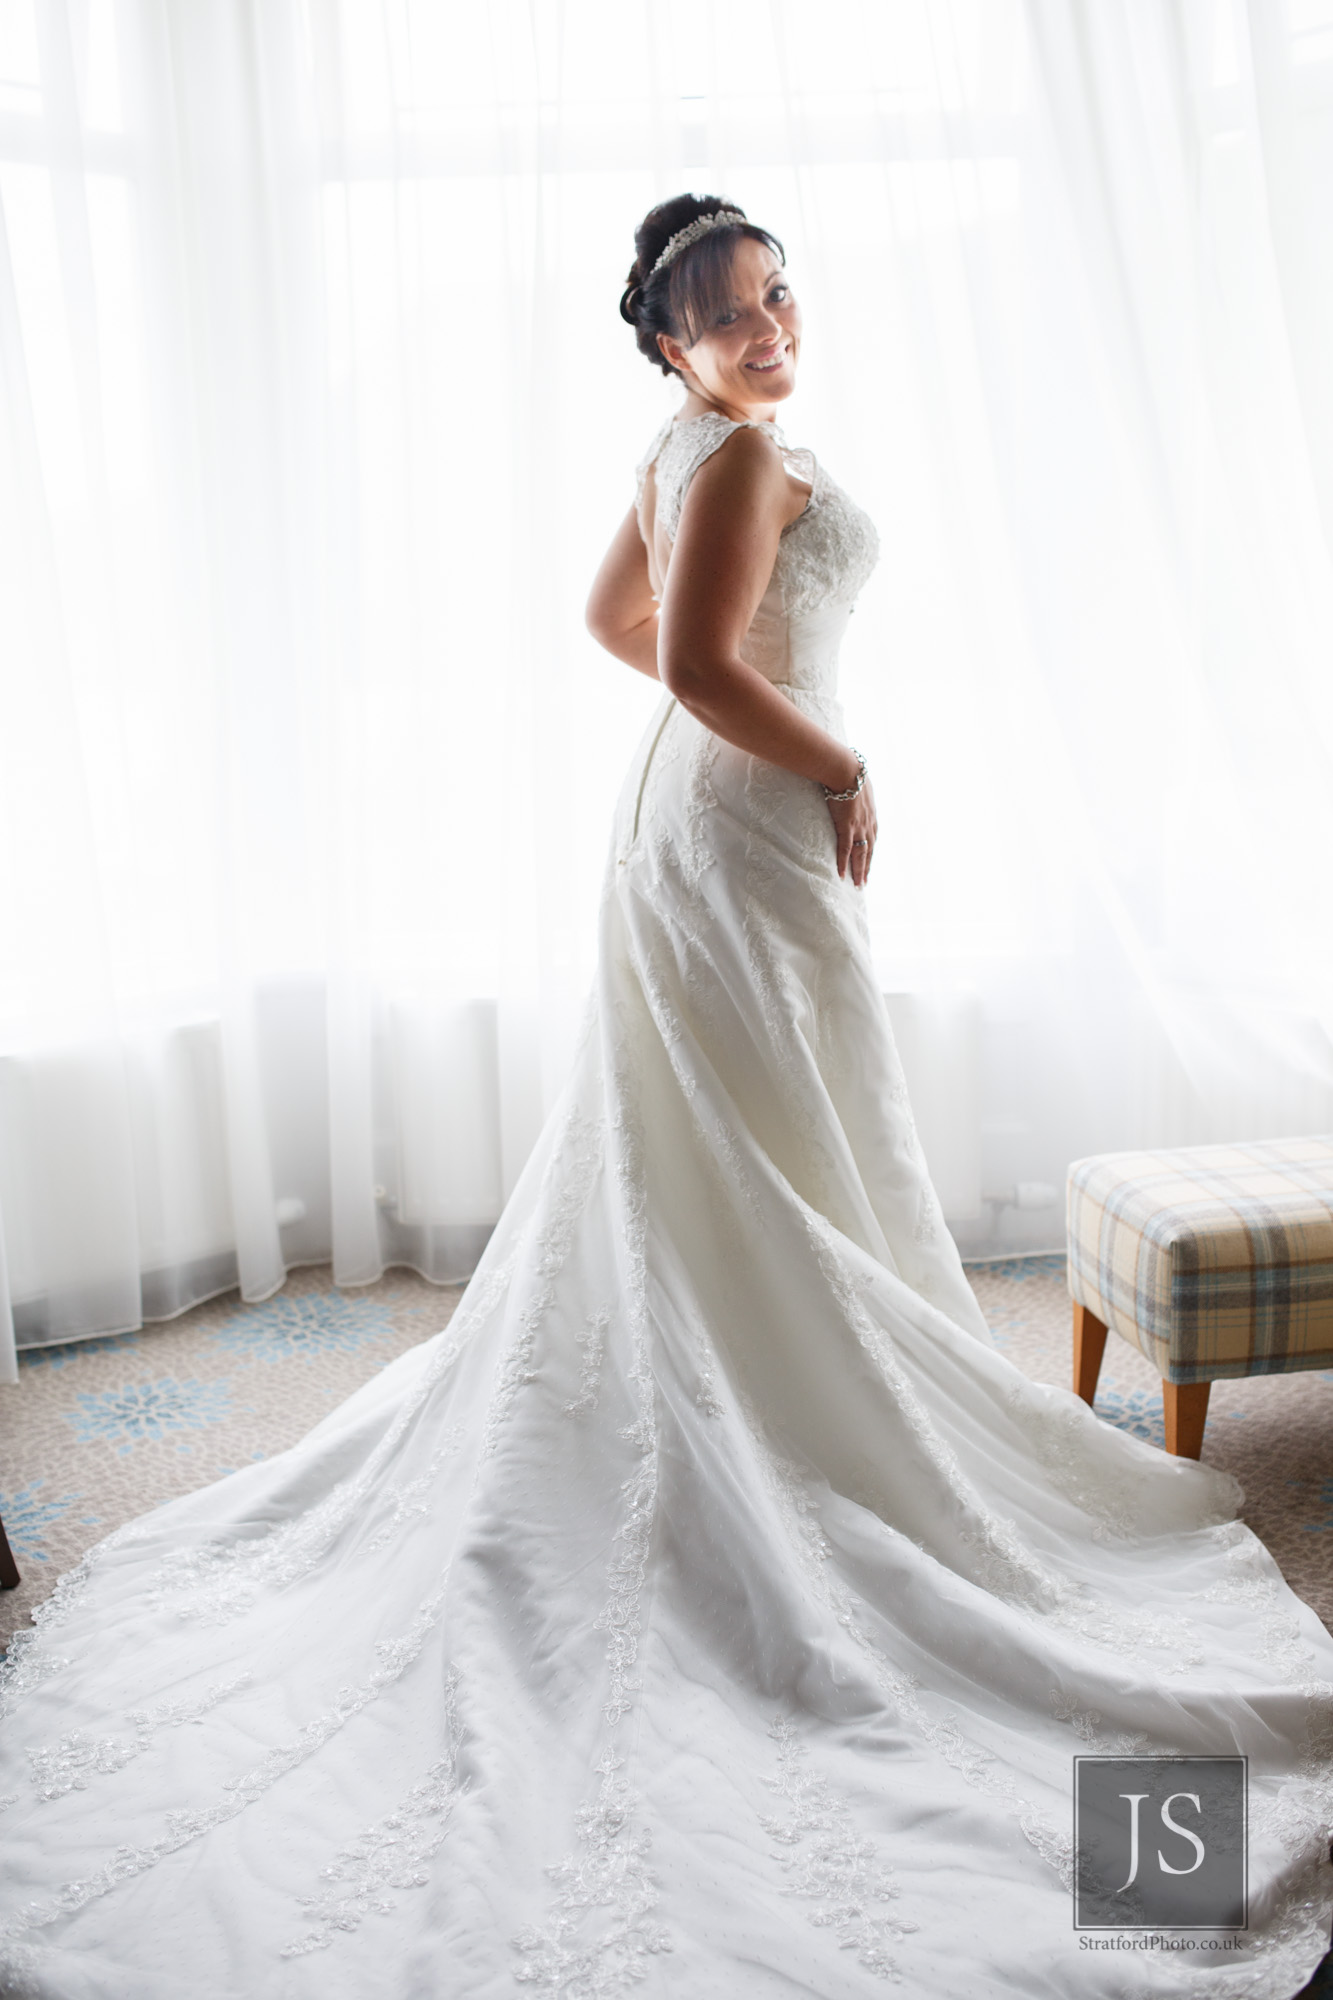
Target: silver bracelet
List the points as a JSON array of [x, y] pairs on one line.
[[852, 790]]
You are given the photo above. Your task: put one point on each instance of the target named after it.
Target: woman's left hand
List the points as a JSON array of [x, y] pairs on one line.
[[856, 826]]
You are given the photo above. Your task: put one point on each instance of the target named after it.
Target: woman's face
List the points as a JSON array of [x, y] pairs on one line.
[[748, 357]]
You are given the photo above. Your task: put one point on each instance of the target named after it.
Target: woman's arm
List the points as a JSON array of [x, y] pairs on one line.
[[735, 509], [622, 611]]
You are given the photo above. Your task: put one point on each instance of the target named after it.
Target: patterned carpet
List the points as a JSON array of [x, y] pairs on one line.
[[103, 1430]]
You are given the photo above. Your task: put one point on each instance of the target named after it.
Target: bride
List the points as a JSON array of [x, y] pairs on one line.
[[710, 1607]]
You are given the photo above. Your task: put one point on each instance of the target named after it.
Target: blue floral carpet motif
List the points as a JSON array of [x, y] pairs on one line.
[[76, 1351], [29, 1515], [1021, 1270], [1138, 1411], [149, 1410], [303, 1327]]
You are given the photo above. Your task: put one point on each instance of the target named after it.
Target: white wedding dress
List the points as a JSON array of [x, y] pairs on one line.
[[710, 1610]]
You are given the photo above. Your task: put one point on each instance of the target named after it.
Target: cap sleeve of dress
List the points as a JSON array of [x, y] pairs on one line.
[[683, 452]]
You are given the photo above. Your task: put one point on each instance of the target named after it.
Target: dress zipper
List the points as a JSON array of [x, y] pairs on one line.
[[648, 765]]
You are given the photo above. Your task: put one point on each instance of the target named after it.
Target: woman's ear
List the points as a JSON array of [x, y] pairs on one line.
[[672, 351]]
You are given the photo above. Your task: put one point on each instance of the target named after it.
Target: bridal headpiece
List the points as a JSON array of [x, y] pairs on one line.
[[692, 232]]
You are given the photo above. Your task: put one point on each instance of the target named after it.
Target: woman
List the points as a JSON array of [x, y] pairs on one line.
[[710, 1607]]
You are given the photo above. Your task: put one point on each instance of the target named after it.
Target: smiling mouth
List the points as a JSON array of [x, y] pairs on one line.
[[768, 364]]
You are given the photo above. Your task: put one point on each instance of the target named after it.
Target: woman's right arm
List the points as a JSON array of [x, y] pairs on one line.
[[735, 509], [622, 611]]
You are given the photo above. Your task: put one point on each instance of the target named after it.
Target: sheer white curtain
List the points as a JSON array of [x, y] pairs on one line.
[[317, 414]]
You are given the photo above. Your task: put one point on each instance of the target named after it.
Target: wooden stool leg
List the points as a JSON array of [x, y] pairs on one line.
[[1185, 1407], [1089, 1346], [9, 1569]]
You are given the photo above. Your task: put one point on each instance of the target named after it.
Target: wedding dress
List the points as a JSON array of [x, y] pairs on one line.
[[710, 1608]]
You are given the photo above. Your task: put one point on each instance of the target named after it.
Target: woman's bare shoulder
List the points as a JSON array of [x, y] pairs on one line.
[[745, 469]]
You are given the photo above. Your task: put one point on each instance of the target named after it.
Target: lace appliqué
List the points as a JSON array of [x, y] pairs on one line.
[[1005, 1567], [1250, 1579], [24, 1668], [625, 1575], [942, 1734], [217, 1582], [678, 451], [698, 806], [392, 1854], [705, 1388], [829, 1863], [1004, 1564], [666, 1018], [765, 791], [629, 1561], [829, 551], [926, 1228], [566, 1191], [1056, 1429], [66, 1766], [608, 1870], [592, 1343], [396, 1656], [415, 1499], [1086, 1725], [27, 1663]]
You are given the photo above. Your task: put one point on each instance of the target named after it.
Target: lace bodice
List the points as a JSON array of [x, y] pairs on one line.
[[824, 558]]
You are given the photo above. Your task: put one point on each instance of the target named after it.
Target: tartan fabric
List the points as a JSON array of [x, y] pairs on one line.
[[1213, 1260]]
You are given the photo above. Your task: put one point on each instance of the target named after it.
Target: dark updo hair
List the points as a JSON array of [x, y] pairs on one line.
[[696, 285]]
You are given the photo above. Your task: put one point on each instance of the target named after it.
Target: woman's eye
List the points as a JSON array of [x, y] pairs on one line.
[[725, 319], [781, 293]]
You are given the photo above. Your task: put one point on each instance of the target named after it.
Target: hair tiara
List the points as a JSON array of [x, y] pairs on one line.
[[692, 232]]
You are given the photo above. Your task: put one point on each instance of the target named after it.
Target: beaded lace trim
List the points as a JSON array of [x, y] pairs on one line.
[[68, 1765], [592, 1344], [607, 1870], [829, 1863], [396, 1656], [393, 1853]]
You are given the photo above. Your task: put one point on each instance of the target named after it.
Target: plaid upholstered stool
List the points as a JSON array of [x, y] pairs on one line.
[[1213, 1261]]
